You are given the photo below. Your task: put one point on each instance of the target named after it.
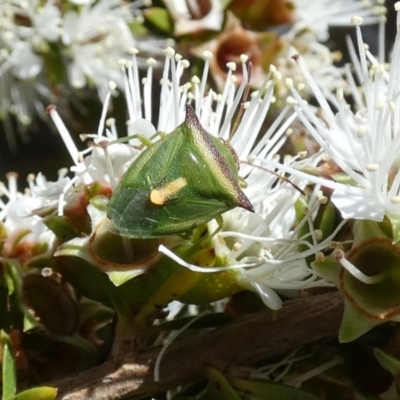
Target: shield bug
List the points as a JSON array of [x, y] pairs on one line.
[[183, 180]]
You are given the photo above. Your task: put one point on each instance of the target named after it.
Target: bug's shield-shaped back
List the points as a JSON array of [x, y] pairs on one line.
[[180, 182]]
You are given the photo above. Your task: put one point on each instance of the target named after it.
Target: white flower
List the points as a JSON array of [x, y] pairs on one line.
[[364, 144], [97, 36], [263, 245], [87, 40], [319, 58], [16, 211], [319, 16], [32, 21], [307, 34], [22, 86]]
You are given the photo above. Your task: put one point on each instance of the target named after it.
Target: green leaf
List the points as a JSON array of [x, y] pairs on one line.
[[8, 367], [60, 227], [395, 220], [388, 362], [329, 269], [365, 230], [355, 323], [19, 315], [270, 390], [366, 304], [219, 388], [137, 29], [180, 182], [160, 18], [38, 393]]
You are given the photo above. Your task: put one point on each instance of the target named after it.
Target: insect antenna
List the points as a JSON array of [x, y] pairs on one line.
[[276, 174]]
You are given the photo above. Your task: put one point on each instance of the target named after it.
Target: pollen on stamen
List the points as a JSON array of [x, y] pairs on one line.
[[336, 245], [380, 106], [162, 82], [372, 167], [122, 62], [395, 200], [231, 65], [318, 234], [46, 272], [133, 51], [236, 246], [356, 20], [207, 54], [319, 256], [301, 86], [244, 58], [287, 159], [291, 101], [338, 254], [325, 157], [169, 52], [289, 82], [112, 85], [362, 130], [339, 94], [110, 122], [323, 200], [62, 172], [151, 62], [302, 154], [185, 63]]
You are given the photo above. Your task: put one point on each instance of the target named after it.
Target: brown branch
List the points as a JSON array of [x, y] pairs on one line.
[[251, 339]]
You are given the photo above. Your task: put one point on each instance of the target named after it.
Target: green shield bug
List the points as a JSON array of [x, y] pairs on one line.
[[183, 180]]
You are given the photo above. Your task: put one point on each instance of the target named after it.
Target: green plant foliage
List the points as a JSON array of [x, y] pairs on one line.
[[8, 367], [271, 390]]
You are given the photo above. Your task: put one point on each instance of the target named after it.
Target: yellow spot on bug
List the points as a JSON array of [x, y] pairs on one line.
[[161, 195]]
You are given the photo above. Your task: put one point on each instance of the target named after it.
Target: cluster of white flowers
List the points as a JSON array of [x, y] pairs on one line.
[[69, 42], [264, 240], [264, 245]]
